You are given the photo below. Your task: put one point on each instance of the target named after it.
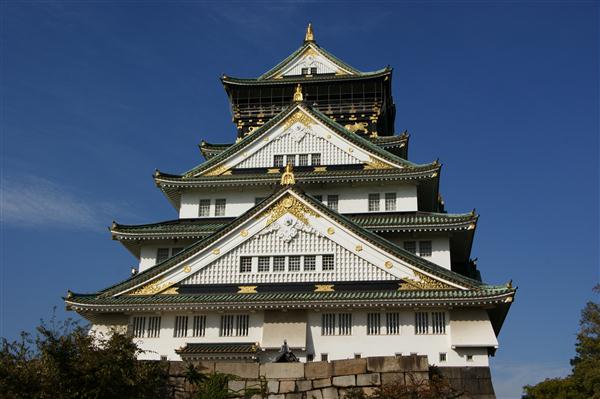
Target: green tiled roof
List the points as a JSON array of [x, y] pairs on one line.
[[230, 80], [212, 348]]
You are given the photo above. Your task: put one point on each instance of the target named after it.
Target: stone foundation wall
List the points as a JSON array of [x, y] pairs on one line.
[[331, 380]]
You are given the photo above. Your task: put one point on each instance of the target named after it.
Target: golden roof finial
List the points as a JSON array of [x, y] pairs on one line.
[[298, 97], [309, 37], [287, 178]]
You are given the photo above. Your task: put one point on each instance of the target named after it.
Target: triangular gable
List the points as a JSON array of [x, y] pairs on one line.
[[414, 272], [300, 129]]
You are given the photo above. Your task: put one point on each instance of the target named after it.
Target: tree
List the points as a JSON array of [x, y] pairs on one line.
[[584, 380], [63, 361]]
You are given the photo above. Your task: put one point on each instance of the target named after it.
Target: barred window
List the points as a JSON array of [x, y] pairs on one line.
[[227, 328], [442, 357], [438, 322], [304, 71], [153, 327], [315, 159], [328, 324], [425, 248], [204, 209], [278, 161], [390, 201], [245, 264], [290, 159], [199, 326], [421, 323], [392, 323], [410, 246], [332, 202], [181, 325], [241, 325], [310, 263], [303, 160], [313, 70], [345, 324], [324, 357], [264, 264], [373, 324], [279, 264], [220, 204], [139, 326], [162, 254], [294, 265], [328, 263], [373, 202]]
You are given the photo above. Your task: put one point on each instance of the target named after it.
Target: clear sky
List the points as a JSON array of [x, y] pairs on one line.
[[96, 95]]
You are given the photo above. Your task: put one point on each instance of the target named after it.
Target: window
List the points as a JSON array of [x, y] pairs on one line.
[[328, 324], [162, 254], [310, 357], [204, 207], [421, 323], [373, 202], [438, 322], [279, 264], [241, 325], [290, 159], [264, 264], [226, 329], [181, 323], [220, 206], [310, 263], [153, 327], [410, 246], [345, 323], [294, 265], [163, 358], [328, 263], [318, 197], [303, 160], [315, 159], [278, 161], [199, 326], [469, 358], [324, 357], [139, 327], [390, 201], [313, 71], [304, 71], [245, 264], [442, 357], [425, 248], [357, 356], [392, 323], [373, 324], [175, 251], [332, 202]]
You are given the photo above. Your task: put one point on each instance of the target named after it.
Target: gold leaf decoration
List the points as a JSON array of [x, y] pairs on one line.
[[374, 163], [152, 288], [297, 116], [330, 230], [187, 269], [423, 283], [389, 264], [170, 291], [288, 204], [359, 248], [244, 233], [216, 251], [247, 289], [324, 288], [219, 170]]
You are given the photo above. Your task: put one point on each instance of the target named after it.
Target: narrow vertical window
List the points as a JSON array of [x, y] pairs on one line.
[[390, 201], [410, 246], [327, 263], [313, 70], [245, 264], [204, 209], [328, 324], [279, 263], [303, 160], [373, 324], [469, 358], [139, 327], [373, 202], [181, 326], [153, 327], [294, 264], [241, 325], [442, 357], [332, 202], [162, 254], [310, 357], [324, 357], [220, 205], [226, 328], [392, 322], [421, 323], [310, 263], [345, 324], [264, 264], [290, 159], [278, 161], [315, 159], [425, 248], [199, 327], [438, 322]]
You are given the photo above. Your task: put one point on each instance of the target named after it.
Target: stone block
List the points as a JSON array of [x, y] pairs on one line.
[[330, 393], [282, 370], [303, 385], [273, 386], [314, 394], [236, 385], [242, 370], [314, 370], [344, 381], [277, 396], [322, 383], [297, 395], [350, 366], [370, 379], [384, 364], [392, 378], [253, 384], [287, 386]]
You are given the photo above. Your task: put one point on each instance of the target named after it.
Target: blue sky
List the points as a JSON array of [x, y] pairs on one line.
[[95, 96]]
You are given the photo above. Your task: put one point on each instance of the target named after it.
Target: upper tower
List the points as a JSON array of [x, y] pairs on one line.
[[360, 101]]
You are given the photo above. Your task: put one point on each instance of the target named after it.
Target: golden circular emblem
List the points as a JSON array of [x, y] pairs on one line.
[[388, 264], [359, 248], [288, 202], [216, 251], [244, 233], [330, 230], [187, 269]]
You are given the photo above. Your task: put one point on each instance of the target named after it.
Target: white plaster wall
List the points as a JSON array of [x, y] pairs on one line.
[[440, 247], [238, 201], [148, 252]]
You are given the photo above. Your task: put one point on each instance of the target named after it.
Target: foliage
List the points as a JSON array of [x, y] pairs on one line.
[[63, 361], [584, 380], [215, 385]]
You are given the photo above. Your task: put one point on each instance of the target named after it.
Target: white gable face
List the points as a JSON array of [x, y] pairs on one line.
[[292, 229], [315, 62], [300, 136]]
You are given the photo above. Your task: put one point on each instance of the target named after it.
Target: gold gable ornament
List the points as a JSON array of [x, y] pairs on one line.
[[287, 178], [309, 36], [298, 96]]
